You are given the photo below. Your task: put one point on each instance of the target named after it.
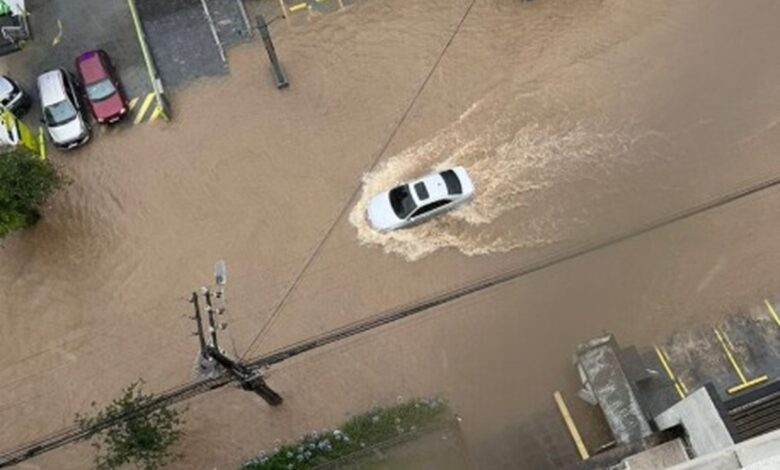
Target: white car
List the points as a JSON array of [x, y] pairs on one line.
[[61, 109], [411, 203], [12, 97]]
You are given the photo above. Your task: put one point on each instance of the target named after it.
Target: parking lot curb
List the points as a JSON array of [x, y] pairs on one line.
[[163, 108]]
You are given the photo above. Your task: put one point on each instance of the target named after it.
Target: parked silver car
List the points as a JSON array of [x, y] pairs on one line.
[[61, 109]]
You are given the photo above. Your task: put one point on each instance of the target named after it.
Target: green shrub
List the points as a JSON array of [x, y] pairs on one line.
[[361, 431], [26, 181], [144, 440]]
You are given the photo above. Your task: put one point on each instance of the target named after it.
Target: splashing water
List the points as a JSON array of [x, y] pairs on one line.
[[511, 171]]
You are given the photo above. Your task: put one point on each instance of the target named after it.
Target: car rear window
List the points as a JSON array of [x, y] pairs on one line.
[[422, 191], [452, 182]]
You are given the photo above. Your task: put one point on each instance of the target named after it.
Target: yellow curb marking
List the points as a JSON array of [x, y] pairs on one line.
[[155, 114], [141, 112]]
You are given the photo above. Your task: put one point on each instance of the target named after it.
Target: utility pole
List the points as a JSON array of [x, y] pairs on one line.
[[211, 356], [276, 68], [199, 324], [212, 322]]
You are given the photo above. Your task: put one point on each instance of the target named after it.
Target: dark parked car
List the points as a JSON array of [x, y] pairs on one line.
[[103, 90]]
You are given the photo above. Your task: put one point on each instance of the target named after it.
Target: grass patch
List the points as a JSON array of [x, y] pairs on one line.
[[361, 431]]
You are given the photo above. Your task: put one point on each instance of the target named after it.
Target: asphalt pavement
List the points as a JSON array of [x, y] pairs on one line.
[[188, 38]]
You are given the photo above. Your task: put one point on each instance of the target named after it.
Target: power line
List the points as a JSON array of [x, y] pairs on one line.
[[191, 389], [269, 323]]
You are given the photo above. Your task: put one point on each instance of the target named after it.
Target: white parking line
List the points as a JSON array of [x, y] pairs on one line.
[[210, 21]]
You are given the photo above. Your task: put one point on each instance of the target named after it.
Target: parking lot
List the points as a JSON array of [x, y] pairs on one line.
[[63, 29], [187, 39]]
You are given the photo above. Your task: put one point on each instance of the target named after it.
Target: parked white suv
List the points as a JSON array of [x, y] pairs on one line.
[[61, 109]]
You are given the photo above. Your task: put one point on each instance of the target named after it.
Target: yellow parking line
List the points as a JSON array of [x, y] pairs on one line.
[[298, 7], [573, 431], [772, 312], [132, 103], [155, 114], [58, 37], [141, 112], [745, 383], [682, 390]]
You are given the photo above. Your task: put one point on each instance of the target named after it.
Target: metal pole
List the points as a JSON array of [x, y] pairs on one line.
[[276, 68], [199, 323], [212, 322]]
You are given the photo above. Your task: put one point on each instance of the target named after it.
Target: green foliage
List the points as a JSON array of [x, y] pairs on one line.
[[26, 181], [144, 440], [361, 431]]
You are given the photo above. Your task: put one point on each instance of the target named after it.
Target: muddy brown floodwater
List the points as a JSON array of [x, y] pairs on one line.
[[577, 119]]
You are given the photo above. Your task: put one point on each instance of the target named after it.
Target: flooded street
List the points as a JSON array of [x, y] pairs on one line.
[[576, 119]]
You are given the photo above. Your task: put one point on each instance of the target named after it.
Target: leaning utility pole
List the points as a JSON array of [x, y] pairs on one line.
[[276, 68], [211, 358]]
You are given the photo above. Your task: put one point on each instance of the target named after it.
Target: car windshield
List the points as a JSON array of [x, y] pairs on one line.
[[452, 182], [402, 201], [59, 113], [100, 90]]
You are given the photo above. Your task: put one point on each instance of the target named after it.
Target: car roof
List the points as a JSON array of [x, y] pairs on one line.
[[90, 66], [51, 87], [434, 185]]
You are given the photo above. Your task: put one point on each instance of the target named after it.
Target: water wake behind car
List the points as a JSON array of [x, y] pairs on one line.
[[512, 172]]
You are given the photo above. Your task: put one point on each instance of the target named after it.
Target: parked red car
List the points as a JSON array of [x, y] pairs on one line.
[[103, 90]]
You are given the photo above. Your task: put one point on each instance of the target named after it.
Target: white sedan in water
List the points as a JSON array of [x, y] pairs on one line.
[[411, 203]]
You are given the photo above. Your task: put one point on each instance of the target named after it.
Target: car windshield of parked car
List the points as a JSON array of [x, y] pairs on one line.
[[402, 201], [100, 90], [59, 113]]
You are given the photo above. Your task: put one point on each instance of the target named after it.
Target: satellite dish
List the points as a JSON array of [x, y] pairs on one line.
[[220, 272]]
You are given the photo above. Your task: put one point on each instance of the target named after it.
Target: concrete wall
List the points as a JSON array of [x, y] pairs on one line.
[[698, 415], [760, 453], [659, 457]]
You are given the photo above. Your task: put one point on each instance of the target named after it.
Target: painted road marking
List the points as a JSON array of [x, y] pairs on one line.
[[573, 431], [682, 390], [132, 103], [155, 114], [58, 37], [772, 312], [306, 5], [144, 107], [745, 383]]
